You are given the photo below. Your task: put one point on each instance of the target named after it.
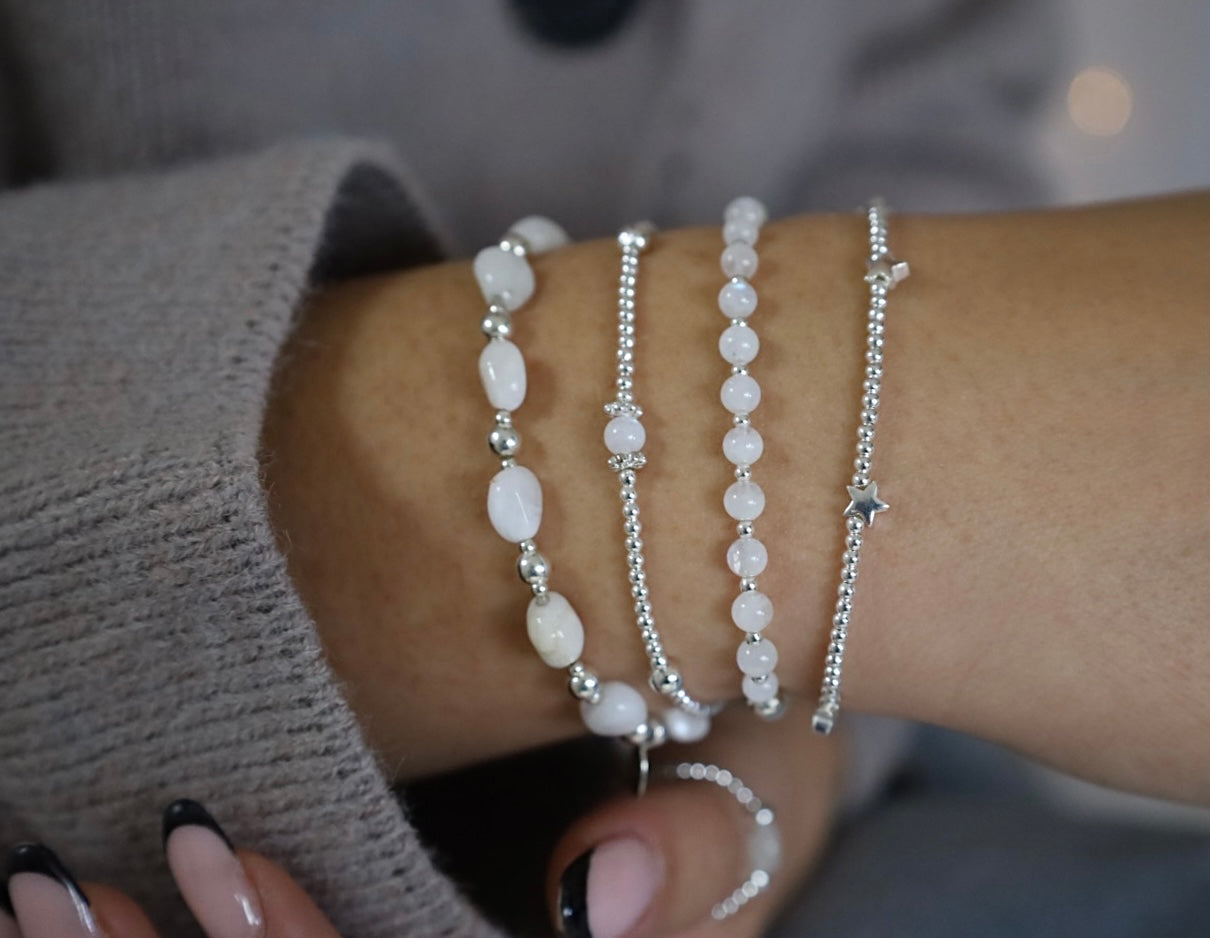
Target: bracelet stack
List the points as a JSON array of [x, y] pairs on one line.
[[514, 504]]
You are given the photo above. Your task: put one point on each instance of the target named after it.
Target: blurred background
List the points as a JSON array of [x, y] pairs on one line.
[[1134, 116]]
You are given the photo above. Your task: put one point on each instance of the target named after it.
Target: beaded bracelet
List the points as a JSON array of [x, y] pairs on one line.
[[625, 437], [744, 501], [514, 500], [883, 272]]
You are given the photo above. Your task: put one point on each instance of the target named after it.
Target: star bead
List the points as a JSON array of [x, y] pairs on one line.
[[865, 503]]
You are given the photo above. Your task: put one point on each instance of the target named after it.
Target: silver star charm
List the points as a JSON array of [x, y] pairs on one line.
[[865, 502]]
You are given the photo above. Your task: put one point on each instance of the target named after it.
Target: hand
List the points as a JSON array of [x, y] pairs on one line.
[[232, 893]]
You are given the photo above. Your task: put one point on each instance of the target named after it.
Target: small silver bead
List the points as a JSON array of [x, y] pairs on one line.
[[541, 592], [869, 418], [645, 624], [507, 462], [527, 546], [853, 541], [875, 342], [861, 465], [739, 369], [743, 473], [497, 325], [515, 244], [742, 420], [627, 477], [848, 573], [651, 734], [630, 510], [873, 356], [636, 237], [747, 584], [504, 441], [772, 709], [633, 528], [584, 685], [850, 557], [745, 529], [865, 450], [870, 401], [840, 620], [845, 590], [639, 591], [874, 327], [666, 680], [532, 567], [865, 434], [854, 524], [634, 544]]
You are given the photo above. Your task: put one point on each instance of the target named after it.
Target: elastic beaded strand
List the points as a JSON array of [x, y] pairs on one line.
[[514, 502], [883, 272], [624, 438], [743, 445]]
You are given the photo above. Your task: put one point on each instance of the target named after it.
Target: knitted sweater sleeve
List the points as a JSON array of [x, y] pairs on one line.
[[151, 644]]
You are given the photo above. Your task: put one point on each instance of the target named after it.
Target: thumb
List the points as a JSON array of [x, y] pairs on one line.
[[658, 865]]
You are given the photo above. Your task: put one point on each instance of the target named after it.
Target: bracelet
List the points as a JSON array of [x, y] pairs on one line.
[[625, 437], [514, 500], [744, 501], [883, 272]]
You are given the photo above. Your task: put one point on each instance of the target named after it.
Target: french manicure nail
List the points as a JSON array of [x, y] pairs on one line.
[[605, 892], [48, 901], [209, 874]]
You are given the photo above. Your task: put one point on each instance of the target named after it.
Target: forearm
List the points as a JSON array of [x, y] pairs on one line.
[[1037, 580]]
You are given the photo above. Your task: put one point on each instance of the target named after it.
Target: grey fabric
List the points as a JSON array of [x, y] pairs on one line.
[[157, 238]]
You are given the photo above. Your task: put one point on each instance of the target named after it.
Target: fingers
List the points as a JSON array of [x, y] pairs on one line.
[[46, 899], [657, 865], [289, 911]]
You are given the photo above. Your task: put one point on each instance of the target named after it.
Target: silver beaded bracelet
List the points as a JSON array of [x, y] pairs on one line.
[[883, 272], [744, 500]]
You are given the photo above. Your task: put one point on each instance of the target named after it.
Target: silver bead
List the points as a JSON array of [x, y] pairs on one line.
[[636, 237], [874, 327], [633, 528], [532, 567], [745, 529], [873, 356], [853, 541], [634, 544], [527, 546], [861, 465], [865, 434], [865, 450], [845, 590], [854, 524], [739, 370], [743, 473], [666, 680], [870, 401], [507, 462], [497, 325], [869, 418], [840, 620], [651, 734], [541, 592], [747, 584], [772, 709], [504, 441], [848, 573], [584, 685], [742, 420], [875, 342]]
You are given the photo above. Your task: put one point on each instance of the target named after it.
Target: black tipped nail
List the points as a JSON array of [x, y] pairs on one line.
[[184, 813], [573, 898], [37, 858]]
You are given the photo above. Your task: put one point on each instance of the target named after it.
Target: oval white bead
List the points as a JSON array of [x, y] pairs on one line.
[[514, 504], [744, 501], [747, 557], [738, 344], [555, 630], [740, 230], [764, 847], [540, 233], [746, 208], [739, 260], [619, 711], [737, 299], [504, 276], [502, 371], [760, 691], [752, 611], [625, 435], [743, 445], [740, 394], [757, 659], [685, 727]]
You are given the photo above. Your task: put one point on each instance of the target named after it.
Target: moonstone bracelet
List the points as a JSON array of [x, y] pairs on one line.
[[514, 500], [883, 272], [744, 501]]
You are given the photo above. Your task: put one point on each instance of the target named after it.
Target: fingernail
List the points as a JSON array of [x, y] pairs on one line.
[[8, 918], [46, 898], [209, 874], [605, 892]]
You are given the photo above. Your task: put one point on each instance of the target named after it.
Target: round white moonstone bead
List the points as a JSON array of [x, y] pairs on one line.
[[747, 557], [540, 233], [757, 659], [514, 504], [502, 371], [620, 710], [685, 727], [738, 344], [625, 435], [746, 208], [740, 394], [739, 260], [740, 230], [744, 501], [743, 445], [737, 299], [555, 630], [752, 611], [764, 848], [504, 276], [760, 691]]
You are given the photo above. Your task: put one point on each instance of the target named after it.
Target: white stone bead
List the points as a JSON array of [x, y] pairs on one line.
[[752, 611], [739, 260], [746, 208], [744, 501], [625, 435], [740, 394], [619, 711], [514, 504], [757, 659], [743, 445], [740, 230], [737, 299], [760, 691], [685, 727], [764, 848], [540, 233], [555, 630], [738, 344], [504, 276], [502, 371], [747, 557]]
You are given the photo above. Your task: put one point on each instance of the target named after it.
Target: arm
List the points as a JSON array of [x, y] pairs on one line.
[[1038, 582]]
